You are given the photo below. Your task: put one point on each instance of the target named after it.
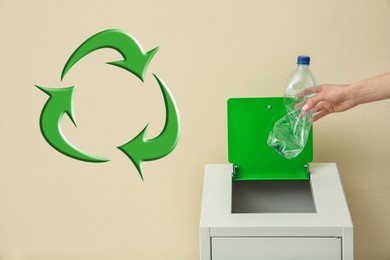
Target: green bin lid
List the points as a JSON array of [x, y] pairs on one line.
[[250, 121]]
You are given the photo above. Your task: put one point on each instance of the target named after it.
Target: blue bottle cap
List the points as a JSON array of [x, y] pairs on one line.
[[303, 60]]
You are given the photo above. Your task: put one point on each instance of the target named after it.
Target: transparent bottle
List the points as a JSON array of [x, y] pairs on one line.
[[289, 134]]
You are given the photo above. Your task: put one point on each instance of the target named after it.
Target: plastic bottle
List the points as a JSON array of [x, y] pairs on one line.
[[289, 134]]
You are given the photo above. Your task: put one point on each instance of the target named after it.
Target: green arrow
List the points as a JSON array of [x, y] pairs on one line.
[[139, 149], [135, 60], [60, 102]]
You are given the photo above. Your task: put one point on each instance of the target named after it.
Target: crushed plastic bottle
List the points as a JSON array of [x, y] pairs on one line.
[[289, 134]]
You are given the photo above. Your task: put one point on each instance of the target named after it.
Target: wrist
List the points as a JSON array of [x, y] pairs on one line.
[[354, 94]]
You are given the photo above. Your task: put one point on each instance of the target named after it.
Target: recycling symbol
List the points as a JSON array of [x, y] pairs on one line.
[[135, 61]]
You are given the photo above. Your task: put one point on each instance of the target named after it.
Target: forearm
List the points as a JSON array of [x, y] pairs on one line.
[[369, 90]]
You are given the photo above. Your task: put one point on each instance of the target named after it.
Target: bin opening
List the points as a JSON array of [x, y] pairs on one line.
[[272, 196]]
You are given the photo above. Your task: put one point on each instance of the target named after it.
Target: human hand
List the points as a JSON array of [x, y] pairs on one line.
[[328, 98]]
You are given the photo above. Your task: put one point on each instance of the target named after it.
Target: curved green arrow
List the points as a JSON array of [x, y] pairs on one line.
[[59, 103], [139, 149], [135, 60]]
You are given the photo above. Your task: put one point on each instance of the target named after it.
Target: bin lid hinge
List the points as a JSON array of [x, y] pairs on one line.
[[234, 171], [307, 170]]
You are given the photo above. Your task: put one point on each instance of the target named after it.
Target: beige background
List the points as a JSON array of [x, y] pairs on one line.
[[54, 207]]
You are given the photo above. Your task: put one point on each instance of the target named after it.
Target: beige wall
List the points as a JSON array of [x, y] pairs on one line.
[[54, 207]]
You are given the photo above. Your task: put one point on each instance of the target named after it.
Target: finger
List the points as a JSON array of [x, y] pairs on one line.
[[312, 102], [309, 91], [299, 105], [308, 113], [321, 105], [319, 115]]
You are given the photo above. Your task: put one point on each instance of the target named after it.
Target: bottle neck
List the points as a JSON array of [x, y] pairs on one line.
[[303, 66]]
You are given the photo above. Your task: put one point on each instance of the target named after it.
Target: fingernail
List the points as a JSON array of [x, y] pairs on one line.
[[305, 107]]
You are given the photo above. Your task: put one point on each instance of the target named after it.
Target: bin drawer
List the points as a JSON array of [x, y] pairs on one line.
[[276, 248]]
